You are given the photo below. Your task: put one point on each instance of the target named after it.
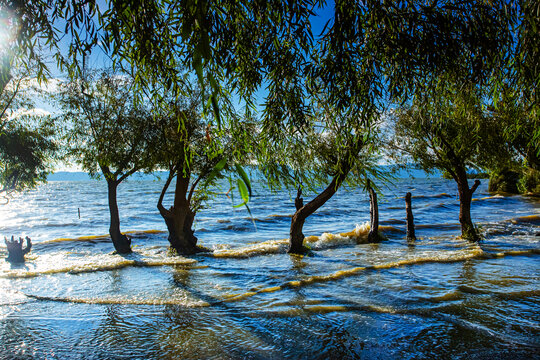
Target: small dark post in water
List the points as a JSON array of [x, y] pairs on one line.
[[410, 218], [15, 250], [373, 235], [299, 202], [79, 210]]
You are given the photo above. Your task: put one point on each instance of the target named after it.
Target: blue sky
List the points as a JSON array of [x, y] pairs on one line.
[[98, 59]]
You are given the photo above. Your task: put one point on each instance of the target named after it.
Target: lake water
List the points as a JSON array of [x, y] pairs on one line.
[[439, 297]]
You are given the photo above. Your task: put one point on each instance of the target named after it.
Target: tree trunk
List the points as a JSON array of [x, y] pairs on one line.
[[299, 202], [179, 218], [121, 242], [410, 219], [373, 235], [296, 238], [468, 231]]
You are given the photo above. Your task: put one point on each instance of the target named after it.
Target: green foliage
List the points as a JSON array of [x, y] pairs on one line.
[[187, 145], [448, 130], [106, 130], [34, 28], [369, 50], [519, 123], [504, 180], [25, 155], [529, 182], [27, 142]]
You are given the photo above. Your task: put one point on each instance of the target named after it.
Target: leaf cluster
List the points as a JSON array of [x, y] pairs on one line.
[[25, 154], [450, 131], [106, 129]]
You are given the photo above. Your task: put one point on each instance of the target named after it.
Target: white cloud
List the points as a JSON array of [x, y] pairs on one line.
[[28, 112]]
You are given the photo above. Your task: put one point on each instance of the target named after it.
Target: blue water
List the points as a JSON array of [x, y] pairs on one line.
[[438, 297]]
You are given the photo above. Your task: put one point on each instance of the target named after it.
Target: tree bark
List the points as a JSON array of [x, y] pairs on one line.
[[373, 235], [468, 231], [458, 171], [410, 219], [179, 218], [121, 242], [298, 202], [296, 238]]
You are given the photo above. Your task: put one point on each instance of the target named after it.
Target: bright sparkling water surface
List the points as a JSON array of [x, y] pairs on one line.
[[439, 297]]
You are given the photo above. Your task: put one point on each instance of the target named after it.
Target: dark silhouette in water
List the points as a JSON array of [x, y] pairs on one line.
[[15, 250], [179, 217], [373, 235], [410, 219]]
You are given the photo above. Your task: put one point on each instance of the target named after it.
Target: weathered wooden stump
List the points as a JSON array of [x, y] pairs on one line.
[[410, 219], [373, 235], [15, 249]]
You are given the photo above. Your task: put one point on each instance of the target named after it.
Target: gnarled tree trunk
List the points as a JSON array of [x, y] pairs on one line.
[[468, 231], [458, 171], [373, 235], [296, 239], [121, 242], [296, 236], [179, 218]]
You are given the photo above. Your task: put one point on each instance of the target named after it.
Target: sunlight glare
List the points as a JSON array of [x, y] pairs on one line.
[[6, 25]]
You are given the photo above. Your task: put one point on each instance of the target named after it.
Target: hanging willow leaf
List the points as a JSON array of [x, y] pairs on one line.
[[243, 190], [241, 172], [216, 170]]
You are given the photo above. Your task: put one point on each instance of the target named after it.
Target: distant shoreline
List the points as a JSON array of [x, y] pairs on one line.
[[82, 176]]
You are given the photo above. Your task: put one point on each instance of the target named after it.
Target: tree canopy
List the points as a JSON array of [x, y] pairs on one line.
[[27, 143]]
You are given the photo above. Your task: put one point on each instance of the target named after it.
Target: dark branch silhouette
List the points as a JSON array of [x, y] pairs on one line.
[[15, 249]]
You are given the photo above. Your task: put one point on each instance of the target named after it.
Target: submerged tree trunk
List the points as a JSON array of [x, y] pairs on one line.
[[373, 235], [458, 171], [410, 219], [15, 249], [468, 231], [296, 238], [121, 242], [179, 218]]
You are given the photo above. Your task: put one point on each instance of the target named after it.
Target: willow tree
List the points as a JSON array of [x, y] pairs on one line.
[[521, 100], [26, 154], [108, 134], [29, 34], [516, 105], [330, 148], [450, 130], [337, 156], [372, 53], [197, 155], [28, 146]]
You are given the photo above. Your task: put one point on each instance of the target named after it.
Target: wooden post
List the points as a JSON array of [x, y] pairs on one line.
[[373, 235], [410, 218], [15, 250]]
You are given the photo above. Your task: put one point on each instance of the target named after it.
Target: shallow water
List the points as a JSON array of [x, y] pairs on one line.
[[437, 297]]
